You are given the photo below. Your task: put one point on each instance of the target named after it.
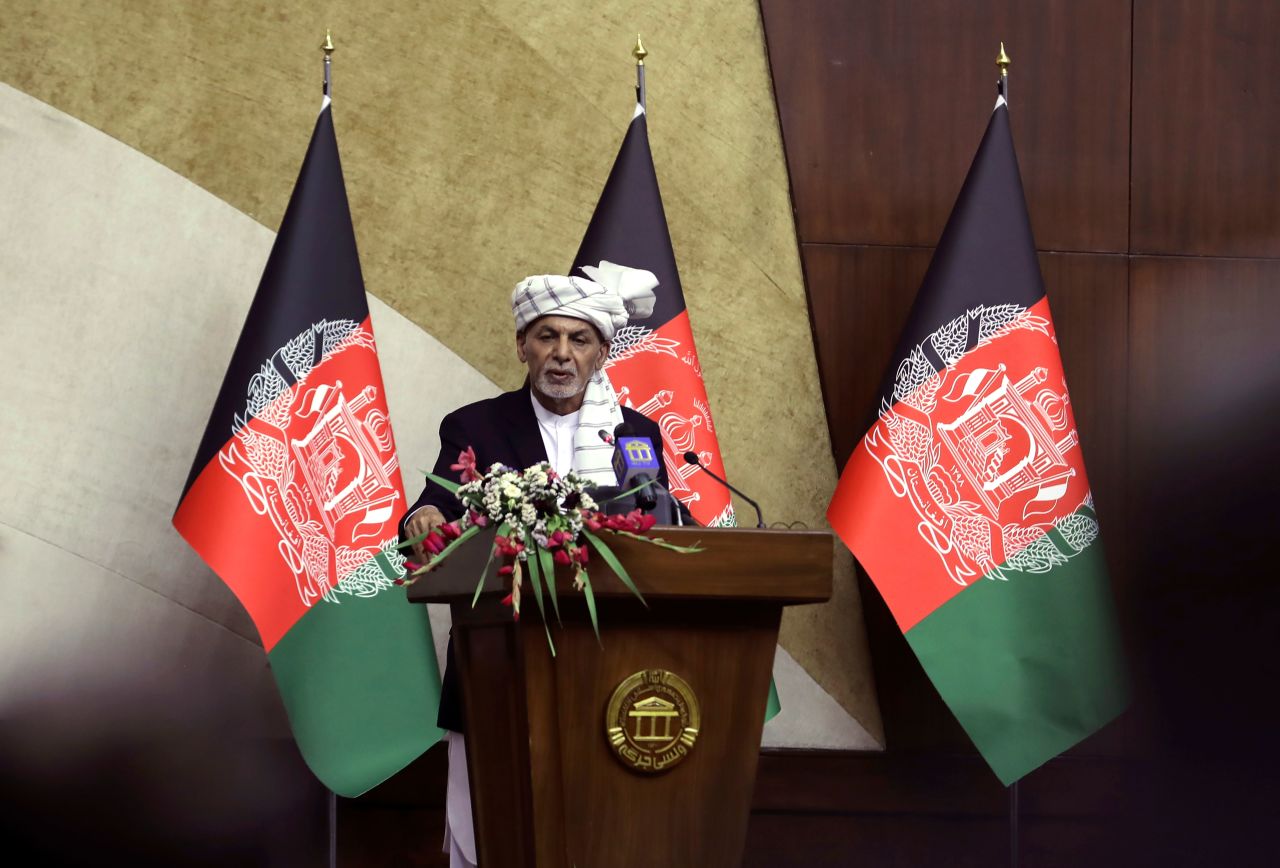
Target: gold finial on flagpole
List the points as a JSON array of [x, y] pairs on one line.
[[639, 54], [1003, 62], [327, 47]]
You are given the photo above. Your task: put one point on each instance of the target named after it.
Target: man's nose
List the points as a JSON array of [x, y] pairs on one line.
[[562, 352]]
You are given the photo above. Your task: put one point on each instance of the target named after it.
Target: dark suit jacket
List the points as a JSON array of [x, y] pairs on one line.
[[502, 429]]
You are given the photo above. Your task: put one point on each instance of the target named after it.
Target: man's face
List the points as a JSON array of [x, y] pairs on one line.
[[562, 353]]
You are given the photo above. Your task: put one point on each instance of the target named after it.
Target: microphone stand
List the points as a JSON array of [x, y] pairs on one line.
[[692, 458]]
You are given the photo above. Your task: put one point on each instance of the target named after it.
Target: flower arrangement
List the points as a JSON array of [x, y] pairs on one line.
[[543, 520]]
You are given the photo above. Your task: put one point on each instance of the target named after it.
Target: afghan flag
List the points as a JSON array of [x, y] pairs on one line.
[[653, 364], [967, 501], [294, 494]]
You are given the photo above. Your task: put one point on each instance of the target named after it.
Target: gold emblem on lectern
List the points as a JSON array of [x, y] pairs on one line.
[[652, 720]]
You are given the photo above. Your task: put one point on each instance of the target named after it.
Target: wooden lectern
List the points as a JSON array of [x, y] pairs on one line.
[[548, 786]]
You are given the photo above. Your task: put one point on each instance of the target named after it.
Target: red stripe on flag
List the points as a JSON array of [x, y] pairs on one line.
[[659, 376], [973, 466], [241, 546], [304, 494]]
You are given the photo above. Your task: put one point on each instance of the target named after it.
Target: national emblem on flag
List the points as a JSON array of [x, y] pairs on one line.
[[294, 494], [967, 501]]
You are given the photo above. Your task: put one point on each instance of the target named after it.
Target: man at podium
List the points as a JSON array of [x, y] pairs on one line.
[[564, 326]]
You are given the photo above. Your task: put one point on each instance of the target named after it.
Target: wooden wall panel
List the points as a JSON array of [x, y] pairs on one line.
[[1172, 361], [859, 298], [883, 104], [1206, 86], [1204, 421]]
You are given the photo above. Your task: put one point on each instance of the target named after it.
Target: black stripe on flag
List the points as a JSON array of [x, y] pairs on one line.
[[629, 226], [986, 256], [312, 274]]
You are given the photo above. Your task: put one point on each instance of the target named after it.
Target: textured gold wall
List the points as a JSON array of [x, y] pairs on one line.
[[476, 139]]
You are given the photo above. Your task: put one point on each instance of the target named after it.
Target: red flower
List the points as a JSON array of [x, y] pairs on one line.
[[646, 522], [450, 531], [507, 546], [591, 521], [466, 465], [580, 555], [434, 543], [507, 570], [562, 557], [479, 519]]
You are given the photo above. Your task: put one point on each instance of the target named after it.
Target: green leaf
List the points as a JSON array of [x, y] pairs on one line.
[[503, 530], [411, 542], [447, 484], [591, 604], [536, 580], [626, 493], [448, 550], [548, 565], [616, 565], [663, 544]]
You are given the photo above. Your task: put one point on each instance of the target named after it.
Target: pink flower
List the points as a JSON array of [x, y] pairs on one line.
[[479, 519], [466, 465], [450, 531], [580, 555]]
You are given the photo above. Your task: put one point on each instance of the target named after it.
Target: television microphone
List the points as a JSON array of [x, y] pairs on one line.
[[692, 458], [635, 462]]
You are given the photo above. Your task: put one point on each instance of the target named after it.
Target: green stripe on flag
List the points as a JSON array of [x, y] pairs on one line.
[[361, 685], [773, 707], [1029, 666]]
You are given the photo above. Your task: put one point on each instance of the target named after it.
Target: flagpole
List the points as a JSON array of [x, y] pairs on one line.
[[327, 47], [1002, 89], [1003, 61], [639, 54]]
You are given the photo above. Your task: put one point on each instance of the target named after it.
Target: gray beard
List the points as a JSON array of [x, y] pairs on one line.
[[560, 392]]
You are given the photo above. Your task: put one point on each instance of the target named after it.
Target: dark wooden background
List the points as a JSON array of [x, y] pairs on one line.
[[1146, 134]]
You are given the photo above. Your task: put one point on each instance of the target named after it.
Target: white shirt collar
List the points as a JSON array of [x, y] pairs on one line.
[[555, 420]]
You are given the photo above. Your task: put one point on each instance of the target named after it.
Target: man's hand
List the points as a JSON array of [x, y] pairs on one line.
[[422, 522]]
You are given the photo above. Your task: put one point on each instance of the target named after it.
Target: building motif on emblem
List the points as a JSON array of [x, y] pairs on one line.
[[985, 455], [320, 464], [652, 720]]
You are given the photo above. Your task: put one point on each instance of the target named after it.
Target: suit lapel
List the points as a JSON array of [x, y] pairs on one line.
[[521, 428]]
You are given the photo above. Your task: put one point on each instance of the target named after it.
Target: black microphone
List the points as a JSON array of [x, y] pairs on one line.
[[692, 458]]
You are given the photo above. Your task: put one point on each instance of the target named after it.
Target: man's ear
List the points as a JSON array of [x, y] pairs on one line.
[[602, 355], [520, 354]]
